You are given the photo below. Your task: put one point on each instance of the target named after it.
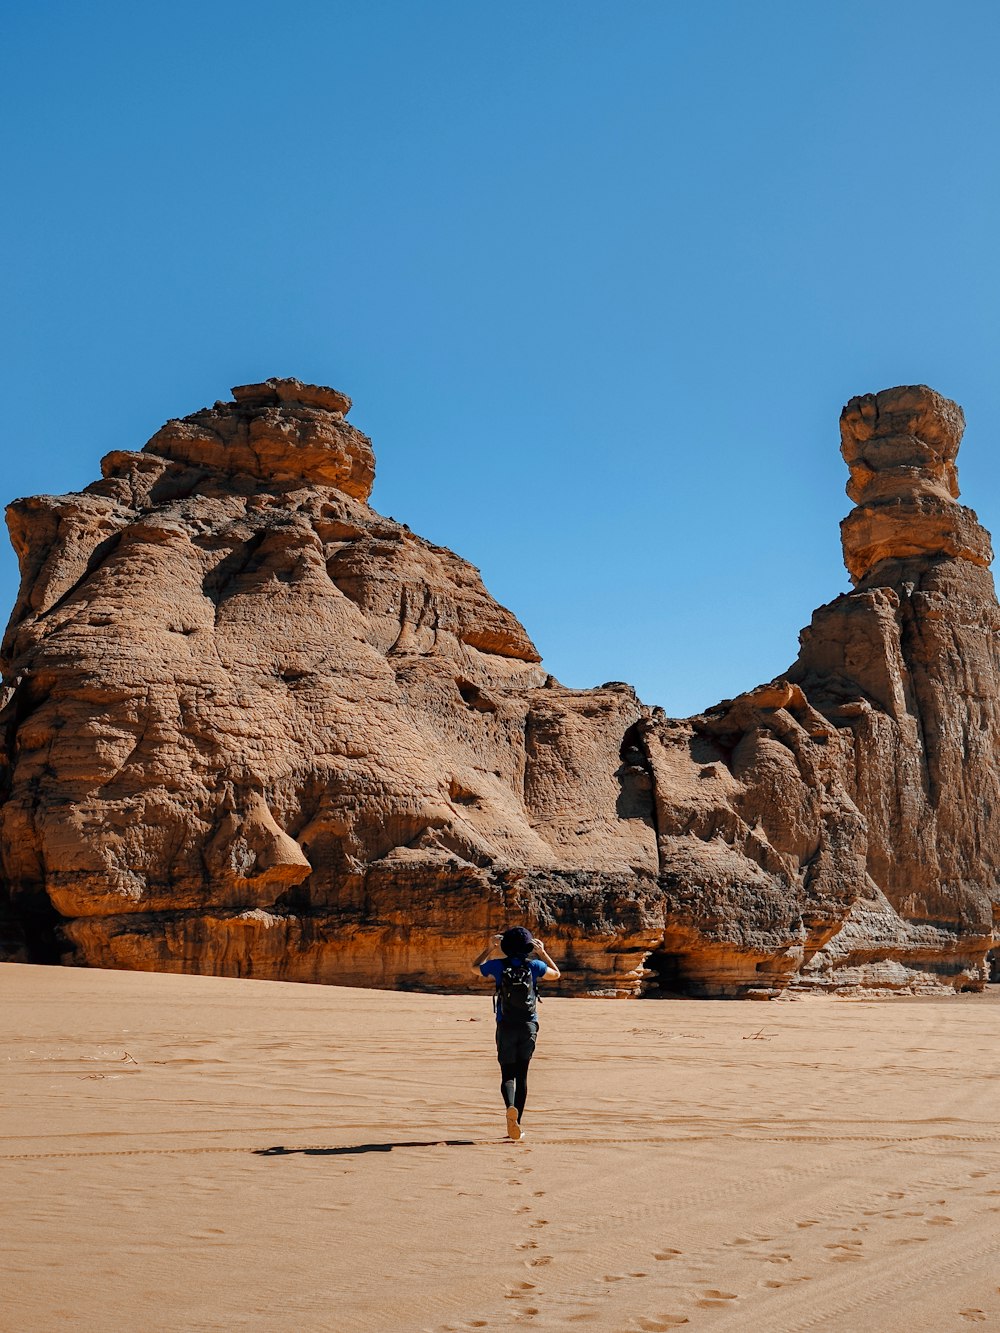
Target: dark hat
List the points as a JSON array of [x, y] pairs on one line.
[[516, 942]]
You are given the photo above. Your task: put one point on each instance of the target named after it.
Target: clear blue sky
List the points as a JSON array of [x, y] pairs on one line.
[[598, 276]]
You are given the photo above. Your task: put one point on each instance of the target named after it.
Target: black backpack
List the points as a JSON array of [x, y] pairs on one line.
[[516, 992]]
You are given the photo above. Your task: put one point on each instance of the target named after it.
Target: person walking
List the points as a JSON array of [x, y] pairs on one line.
[[516, 963]]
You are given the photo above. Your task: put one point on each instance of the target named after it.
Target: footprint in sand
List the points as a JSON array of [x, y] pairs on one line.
[[973, 1316], [518, 1290], [940, 1221], [662, 1323], [845, 1252], [539, 1262], [712, 1298], [668, 1254]]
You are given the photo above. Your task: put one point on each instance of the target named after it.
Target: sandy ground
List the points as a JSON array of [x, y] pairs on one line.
[[187, 1153]]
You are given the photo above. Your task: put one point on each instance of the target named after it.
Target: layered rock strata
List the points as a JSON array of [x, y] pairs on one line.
[[255, 728], [908, 667]]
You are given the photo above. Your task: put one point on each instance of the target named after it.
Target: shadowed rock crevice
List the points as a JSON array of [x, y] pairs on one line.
[[223, 578], [635, 778], [254, 728]]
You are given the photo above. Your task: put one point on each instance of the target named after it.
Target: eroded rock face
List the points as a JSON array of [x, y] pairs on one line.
[[282, 430], [255, 728], [900, 445], [908, 664]]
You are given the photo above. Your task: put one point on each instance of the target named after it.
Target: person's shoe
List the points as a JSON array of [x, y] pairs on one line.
[[513, 1128]]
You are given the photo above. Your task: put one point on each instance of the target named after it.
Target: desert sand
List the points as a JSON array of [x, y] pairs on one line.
[[193, 1153]]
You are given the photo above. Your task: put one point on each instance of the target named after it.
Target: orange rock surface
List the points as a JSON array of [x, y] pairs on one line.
[[254, 728]]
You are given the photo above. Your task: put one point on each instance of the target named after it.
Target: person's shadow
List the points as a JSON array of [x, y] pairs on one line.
[[364, 1147]]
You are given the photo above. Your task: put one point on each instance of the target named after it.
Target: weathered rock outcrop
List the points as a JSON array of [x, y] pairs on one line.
[[255, 728], [908, 666]]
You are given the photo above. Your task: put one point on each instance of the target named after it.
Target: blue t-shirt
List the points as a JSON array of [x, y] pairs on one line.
[[494, 968]]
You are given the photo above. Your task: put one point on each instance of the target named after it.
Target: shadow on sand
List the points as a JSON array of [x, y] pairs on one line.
[[365, 1147]]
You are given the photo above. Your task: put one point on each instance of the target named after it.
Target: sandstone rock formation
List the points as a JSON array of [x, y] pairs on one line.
[[255, 728], [908, 667]]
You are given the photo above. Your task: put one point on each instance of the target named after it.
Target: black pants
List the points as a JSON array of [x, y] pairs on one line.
[[515, 1047]]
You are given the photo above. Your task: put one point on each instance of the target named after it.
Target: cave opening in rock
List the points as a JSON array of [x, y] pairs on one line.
[[635, 779], [668, 981], [40, 926], [993, 963]]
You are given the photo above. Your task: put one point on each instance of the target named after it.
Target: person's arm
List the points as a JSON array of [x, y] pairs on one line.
[[492, 950], [553, 971]]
